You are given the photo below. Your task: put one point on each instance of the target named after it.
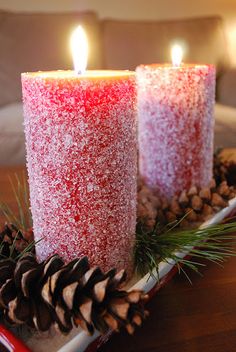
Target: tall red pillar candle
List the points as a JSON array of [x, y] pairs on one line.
[[81, 158], [175, 113]]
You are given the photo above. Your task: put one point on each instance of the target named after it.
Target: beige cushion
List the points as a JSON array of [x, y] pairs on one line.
[[129, 43], [37, 41], [12, 139], [226, 88], [2, 15], [225, 126]]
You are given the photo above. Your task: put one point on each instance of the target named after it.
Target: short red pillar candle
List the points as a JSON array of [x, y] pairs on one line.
[[81, 158], [176, 125]]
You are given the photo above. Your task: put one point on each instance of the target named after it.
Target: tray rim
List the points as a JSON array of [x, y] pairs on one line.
[[147, 283]]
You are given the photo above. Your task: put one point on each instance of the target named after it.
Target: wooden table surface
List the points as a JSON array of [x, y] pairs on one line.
[[6, 193], [183, 318]]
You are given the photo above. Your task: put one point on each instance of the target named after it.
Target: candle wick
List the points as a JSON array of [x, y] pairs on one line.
[[79, 72]]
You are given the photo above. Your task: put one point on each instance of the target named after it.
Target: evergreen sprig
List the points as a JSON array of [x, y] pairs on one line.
[[213, 243]]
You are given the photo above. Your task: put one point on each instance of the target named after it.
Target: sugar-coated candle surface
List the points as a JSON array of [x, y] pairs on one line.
[[176, 126], [81, 158]]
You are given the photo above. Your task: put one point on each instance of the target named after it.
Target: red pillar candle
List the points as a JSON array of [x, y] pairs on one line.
[[81, 158], [175, 113]]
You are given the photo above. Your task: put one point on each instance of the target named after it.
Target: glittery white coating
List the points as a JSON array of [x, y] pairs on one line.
[[81, 159], [176, 126]]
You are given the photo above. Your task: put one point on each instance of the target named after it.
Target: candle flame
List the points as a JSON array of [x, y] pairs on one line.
[[79, 48], [177, 55]]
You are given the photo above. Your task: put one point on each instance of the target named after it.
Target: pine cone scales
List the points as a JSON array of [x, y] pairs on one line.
[[54, 294]]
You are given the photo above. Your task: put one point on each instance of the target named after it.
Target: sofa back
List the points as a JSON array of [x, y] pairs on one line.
[[40, 41], [126, 44]]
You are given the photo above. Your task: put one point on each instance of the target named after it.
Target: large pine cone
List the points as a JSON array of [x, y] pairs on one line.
[[54, 294]]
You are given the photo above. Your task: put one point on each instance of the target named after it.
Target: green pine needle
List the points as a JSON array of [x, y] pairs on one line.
[[214, 243], [22, 219]]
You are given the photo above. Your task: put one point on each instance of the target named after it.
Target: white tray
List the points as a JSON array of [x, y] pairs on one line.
[[78, 340]]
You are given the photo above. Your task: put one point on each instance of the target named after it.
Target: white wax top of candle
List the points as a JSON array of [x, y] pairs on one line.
[[171, 67], [60, 74]]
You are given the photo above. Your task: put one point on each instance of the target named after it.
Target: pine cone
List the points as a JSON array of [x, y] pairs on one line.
[[198, 204], [148, 206], [194, 205], [51, 293], [13, 241]]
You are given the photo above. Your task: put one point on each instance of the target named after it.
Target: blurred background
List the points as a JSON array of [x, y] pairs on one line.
[[139, 10]]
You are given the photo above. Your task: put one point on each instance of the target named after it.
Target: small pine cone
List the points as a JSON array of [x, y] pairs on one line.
[[196, 203], [175, 207], [223, 189], [207, 211], [193, 191], [141, 211], [212, 184], [191, 215], [51, 293], [147, 207], [143, 194], [139, 183], [155, 201], [146, 214], [185, 224], [205, 194], [171, 217], [218, 201], [146, 195], [232, 193], [164, 204], [183, 199], [150, 224], [161, 217]]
